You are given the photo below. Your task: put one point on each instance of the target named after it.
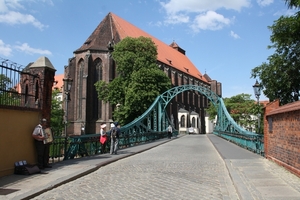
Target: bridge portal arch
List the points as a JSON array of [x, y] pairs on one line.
[[155, 118]]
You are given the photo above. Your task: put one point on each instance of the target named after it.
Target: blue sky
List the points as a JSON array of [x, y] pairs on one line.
[[225, 39]]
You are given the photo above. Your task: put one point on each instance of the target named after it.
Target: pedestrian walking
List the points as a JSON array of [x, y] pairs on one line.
[[103, 138], [114, 136], [170, 131], [191, 130], [42, 148]]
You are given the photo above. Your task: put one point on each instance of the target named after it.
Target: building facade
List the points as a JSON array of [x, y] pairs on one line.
[[93, 62]]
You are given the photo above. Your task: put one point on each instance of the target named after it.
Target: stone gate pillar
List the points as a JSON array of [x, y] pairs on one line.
[[38, 85]]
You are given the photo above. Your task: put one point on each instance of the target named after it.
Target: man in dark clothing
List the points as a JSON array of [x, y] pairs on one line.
[[41, 147], [114, 136]]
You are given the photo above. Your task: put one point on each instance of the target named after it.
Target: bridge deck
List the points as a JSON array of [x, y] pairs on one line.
[[232, 173]]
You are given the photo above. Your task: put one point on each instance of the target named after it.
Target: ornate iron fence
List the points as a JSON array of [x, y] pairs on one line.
[[11, 91], [89, 145]]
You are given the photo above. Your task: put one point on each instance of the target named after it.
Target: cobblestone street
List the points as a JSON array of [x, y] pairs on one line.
[[186, 168]]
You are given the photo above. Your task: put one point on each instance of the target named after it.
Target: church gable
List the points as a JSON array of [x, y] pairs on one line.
[[104, 33]]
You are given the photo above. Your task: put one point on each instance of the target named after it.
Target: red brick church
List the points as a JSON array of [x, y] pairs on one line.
[[92, 62]]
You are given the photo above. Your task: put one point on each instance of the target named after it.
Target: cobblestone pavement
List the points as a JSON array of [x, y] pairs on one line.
[[185, 168]]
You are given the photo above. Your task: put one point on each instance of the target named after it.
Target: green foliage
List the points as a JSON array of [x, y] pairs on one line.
[[8, 95], [212, 111], [4, 82], [132, 54], [280, 76], [145, 86], [241, 108], [139, 82], [113, 92], [293, 3], [57, 114]]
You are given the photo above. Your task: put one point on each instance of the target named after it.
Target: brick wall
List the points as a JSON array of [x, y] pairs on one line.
[[282, 135]]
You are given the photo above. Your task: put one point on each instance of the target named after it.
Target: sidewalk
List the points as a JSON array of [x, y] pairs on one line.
[[15, 187], [254, 176]]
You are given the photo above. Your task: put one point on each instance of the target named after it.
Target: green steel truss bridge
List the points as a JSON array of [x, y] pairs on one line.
[[155, 119], [153, 123]]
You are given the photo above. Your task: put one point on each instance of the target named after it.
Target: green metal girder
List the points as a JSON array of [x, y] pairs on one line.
[[156, 118]]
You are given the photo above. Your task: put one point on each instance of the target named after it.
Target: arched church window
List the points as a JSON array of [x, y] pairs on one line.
[[182, 121], [26, 94], [193, 122], [98, 69], [80, 87], [98, 76], [36, 95]]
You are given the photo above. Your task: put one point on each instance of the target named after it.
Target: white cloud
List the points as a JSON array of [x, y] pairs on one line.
[[5, 49], [6, 5], [9, 16], [207, 17], [234, 35], [177, 19], [209, 21], [13, 18], [14, 4], [264, 2], [196, 6], [29, 50]]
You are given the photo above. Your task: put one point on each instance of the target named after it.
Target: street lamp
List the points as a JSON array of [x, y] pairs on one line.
[[257, 91], [67, 88]]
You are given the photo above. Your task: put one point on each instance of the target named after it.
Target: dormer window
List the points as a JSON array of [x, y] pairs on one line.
[[170, 61], [87, 42]]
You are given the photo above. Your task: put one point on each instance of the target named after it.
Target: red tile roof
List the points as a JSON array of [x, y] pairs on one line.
[[166, 54], [58, 82]]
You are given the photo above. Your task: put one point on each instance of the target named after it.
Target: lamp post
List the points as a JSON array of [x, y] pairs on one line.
[[67, 88], [257, 91]]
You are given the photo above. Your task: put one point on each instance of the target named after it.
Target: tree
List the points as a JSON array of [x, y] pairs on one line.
[[139, 79], [293, 3], [280, 77], [8, 95], [242, 109], [57, 114], [4, 82]]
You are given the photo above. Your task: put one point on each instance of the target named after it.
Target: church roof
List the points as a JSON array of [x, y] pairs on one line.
[[120, 29]]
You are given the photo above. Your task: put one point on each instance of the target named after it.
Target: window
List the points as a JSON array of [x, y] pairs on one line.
[[182, 121]]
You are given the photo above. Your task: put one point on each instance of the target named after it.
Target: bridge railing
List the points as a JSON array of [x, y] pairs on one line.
[[89, 145], [254, 143], [228, 129]]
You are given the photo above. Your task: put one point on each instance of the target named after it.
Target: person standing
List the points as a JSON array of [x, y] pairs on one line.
[[103, 138], [170, 131], [42, 148], [191, 130], [114, 136]]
